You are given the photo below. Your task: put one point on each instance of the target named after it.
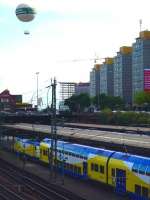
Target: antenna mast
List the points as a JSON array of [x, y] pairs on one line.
[[140, 22]]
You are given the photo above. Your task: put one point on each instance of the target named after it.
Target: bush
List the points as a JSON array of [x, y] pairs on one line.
[[126, 118]]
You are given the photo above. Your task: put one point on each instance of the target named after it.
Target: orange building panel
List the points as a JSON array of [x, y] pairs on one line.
[[145, 34], [125, 50]]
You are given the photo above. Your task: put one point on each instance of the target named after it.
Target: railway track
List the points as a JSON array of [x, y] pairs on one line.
[[29, 186]]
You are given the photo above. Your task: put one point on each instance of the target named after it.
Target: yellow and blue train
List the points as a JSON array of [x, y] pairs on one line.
[[125, 172]]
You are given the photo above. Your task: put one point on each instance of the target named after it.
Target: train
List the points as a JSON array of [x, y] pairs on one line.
[[128, 174]]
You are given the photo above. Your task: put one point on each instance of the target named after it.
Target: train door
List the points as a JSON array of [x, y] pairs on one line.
[[141, 193], [120, 181], [85, 168]]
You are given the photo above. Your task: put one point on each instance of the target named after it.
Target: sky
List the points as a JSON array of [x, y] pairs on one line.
[[63, 31]]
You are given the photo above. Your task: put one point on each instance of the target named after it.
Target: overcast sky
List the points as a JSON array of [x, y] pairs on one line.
[[63, 30]]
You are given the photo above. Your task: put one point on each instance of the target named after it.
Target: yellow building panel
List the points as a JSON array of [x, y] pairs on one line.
[[125, 50], [145, 34], [109, 61]]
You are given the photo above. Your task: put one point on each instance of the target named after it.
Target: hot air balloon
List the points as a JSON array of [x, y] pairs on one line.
[[25, 13]]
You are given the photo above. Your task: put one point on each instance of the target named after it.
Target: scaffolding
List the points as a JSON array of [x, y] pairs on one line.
[[67, 89]]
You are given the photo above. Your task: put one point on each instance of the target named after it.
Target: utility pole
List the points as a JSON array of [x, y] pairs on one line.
[[37, 75], [53, 152], [47, 96]]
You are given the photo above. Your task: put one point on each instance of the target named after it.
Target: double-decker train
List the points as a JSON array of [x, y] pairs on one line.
[[125, 172]]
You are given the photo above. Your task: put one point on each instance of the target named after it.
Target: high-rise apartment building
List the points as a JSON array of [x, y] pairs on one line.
[[95, 80], [141, 62], [123, 74], [106, 77], [82, 88]]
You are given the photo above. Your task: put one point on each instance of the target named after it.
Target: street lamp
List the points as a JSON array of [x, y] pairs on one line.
[[37, 74]]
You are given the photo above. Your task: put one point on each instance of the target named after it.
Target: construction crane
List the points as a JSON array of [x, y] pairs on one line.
[[95, 59]]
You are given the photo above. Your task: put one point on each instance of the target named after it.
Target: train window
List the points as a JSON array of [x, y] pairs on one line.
[[138, 189], [79, 170], [145, 192], [71, 167], [142, 169], [92, 166], [113, 172], [67, 166], [102, 169], [96, 167], [135, 167], [148, 171], [43, 152], [75, 169], [59, 163]]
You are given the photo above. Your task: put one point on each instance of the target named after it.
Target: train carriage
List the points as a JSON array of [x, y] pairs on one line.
[[98, 164], [71, 158], [125, 172], [19, 145], [32, 149], [74, 158], [130, 174]]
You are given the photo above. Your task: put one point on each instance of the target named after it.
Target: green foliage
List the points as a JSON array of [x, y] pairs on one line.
[[125, 118], [103, 101], [106, 116], [142, 97], [79, 102]]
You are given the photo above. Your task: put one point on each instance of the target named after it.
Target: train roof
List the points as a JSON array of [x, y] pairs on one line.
[[28, 141], [80, 149], [35, 143], [132, 158]]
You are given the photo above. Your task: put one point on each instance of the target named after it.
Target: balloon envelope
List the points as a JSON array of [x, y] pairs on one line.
[[25, 13]]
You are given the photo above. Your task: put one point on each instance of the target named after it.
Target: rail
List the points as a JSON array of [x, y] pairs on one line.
[[31, 183]]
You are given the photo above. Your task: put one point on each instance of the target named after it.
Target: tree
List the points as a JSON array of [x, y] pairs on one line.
[[142, 97], [108, 102], [79, 102]]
